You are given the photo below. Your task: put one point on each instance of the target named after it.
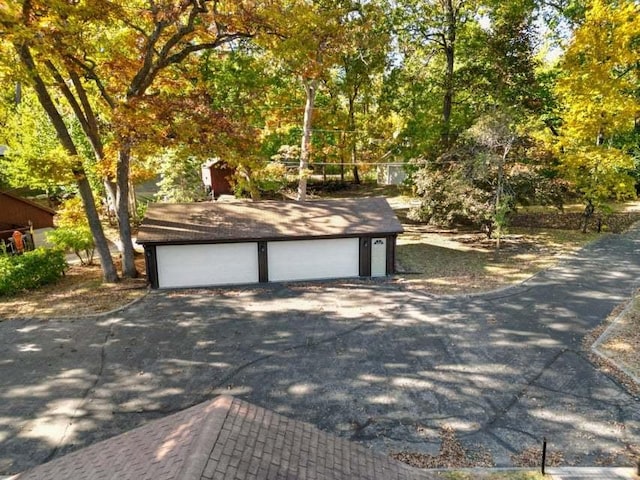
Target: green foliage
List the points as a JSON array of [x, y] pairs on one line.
[[31, 270], [269, 179], [180, 178], [448, 197], [479, 182], [74, 239], [34, 156]]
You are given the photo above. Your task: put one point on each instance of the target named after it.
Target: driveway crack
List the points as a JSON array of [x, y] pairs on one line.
[[84, 397], [501, 412]]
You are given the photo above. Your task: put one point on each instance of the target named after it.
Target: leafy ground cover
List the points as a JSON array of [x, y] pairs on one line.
[[79, 292], [623, 340], [454, 261]]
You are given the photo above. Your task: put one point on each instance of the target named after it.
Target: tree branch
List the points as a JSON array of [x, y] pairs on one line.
[[90, 73], [191, 48], [80, 114], [45, 100], [89, 114]]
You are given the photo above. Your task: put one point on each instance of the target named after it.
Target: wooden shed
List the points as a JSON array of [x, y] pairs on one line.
[[217, 176], [206, 244], [17, 213]]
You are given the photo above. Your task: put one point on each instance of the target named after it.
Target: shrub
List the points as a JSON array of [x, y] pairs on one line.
[[71, 213], [74, 239], [31, 270]]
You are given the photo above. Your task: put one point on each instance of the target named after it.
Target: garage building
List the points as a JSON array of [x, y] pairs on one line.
[[208, 244]]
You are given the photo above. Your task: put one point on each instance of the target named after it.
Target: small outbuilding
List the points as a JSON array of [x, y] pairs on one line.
[[18, 213], [391, 173], [207, 244], [217, 177]]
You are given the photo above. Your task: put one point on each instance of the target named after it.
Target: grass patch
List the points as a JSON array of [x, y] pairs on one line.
[[480, 475], [451, 261]]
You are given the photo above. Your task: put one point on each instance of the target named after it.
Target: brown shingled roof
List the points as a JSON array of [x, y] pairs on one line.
[[247, 221], [225, 439]]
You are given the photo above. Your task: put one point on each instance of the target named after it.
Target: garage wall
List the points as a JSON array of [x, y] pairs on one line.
[[203, 265], [313, 259]]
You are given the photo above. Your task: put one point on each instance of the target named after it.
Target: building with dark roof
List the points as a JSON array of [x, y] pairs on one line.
[[17, 213], [204, 244]]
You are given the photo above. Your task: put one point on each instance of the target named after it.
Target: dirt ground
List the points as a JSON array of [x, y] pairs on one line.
[[79, 292]]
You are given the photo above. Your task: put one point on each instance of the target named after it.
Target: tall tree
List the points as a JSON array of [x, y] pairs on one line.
[[311, 37], [434, 26], [599, 91], [359, 67], [114, 63]]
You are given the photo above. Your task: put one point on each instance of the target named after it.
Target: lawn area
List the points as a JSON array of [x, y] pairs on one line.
[[451, 261]]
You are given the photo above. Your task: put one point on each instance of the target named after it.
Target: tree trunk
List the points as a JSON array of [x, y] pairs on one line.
[[342, 149], [447, 102], [110, 198], [133, 203], [499, 199], [449, 86], [354, 147], [122, 196], [109, 272], [305, 147]]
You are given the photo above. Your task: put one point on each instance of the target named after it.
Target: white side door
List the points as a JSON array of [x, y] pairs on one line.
[[378, 257]]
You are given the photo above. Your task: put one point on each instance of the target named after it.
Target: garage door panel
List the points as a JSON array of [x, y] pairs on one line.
[[313, 259], [204, 265]]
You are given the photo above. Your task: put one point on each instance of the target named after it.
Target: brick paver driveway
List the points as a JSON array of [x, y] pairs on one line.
[[369, 361]]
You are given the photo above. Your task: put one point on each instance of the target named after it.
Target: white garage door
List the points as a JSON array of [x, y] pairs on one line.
[[313, 259], [202, 265]]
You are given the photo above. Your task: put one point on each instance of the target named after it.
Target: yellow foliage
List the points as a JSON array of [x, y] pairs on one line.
[[72, 214], [598, 88], [598, 91]]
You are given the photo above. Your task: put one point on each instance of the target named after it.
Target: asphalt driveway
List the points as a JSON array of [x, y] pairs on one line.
[[369, 361]]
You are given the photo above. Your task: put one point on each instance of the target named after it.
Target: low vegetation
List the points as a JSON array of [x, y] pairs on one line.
[[79, 292], [30, 270]]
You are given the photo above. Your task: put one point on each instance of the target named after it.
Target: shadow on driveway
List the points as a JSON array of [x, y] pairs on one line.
[[368, 361]]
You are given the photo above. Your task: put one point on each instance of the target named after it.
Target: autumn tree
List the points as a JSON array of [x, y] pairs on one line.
[[118, 65], [310, 37], [600, 103]]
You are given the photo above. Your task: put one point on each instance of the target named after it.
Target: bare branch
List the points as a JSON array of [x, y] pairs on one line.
[[191, 48], [90, 73], [150, 69]]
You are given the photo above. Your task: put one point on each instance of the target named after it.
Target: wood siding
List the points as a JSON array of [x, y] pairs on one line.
[[16, 213]]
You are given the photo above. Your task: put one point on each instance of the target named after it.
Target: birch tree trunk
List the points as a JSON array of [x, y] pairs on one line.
[[310, 87]]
